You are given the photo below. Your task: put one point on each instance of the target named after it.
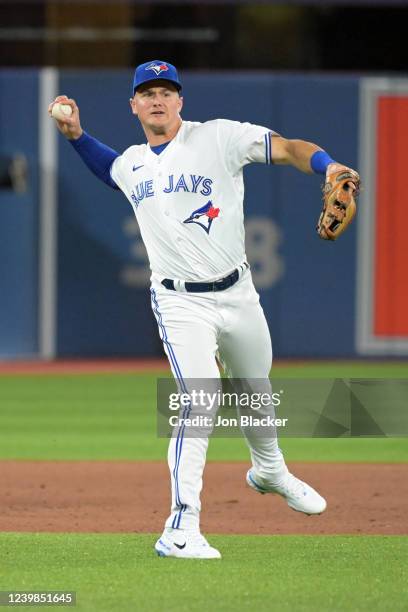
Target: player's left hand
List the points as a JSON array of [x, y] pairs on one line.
[[339, 201]]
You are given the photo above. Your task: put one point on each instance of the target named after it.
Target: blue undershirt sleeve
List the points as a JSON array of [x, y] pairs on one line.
[[97, 156]]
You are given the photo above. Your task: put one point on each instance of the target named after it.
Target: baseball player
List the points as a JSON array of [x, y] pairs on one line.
[[186, 188]]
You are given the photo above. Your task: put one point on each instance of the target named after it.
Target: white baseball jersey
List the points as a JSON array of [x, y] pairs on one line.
[[188, 200]]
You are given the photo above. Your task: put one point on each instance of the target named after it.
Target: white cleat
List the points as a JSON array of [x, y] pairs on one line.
[[299, 495], [185, 544]]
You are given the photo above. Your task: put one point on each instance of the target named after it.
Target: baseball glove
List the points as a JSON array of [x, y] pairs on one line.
[[339, 201]]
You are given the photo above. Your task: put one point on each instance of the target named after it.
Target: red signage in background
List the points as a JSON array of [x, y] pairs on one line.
[[391, 208]]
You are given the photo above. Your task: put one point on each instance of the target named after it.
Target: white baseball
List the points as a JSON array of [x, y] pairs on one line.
[[61, 111]]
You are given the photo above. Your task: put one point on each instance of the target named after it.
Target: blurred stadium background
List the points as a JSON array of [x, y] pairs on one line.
[[73, 270]]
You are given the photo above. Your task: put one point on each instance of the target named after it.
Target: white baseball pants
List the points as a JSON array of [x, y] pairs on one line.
[[195, 327]]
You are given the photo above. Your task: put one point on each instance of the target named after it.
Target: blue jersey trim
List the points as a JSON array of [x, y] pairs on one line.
[[268, 148], [159, 148]]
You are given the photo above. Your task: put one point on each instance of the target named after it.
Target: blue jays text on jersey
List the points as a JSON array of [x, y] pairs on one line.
[[192, 183]]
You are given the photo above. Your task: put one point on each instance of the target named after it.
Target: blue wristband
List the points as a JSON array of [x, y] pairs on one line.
[[319, 162]]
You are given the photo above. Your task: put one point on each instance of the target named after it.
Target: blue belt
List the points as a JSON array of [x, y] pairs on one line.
[[218, 285]]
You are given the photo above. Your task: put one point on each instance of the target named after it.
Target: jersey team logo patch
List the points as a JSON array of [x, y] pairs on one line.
[[204, 216], [157, 68]]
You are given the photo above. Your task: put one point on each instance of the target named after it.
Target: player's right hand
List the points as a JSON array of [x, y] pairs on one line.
[[70, 127]]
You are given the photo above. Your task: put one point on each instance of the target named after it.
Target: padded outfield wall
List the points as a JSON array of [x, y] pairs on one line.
[[73, 270]]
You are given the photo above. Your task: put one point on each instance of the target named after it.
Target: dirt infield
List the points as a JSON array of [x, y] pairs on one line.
[[134, 497], [20, 367], [81, 366]]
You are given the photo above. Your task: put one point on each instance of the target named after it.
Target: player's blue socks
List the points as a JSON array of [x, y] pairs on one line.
[[97, 156], [319, 162]]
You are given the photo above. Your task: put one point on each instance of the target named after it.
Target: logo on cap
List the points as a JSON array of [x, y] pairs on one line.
[[157, 68]]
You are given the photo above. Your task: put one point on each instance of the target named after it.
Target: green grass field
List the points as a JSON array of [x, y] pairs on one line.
[[283, 573], [113, 417]]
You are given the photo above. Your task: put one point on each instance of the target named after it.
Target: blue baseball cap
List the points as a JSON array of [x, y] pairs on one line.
[[153, 71]]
